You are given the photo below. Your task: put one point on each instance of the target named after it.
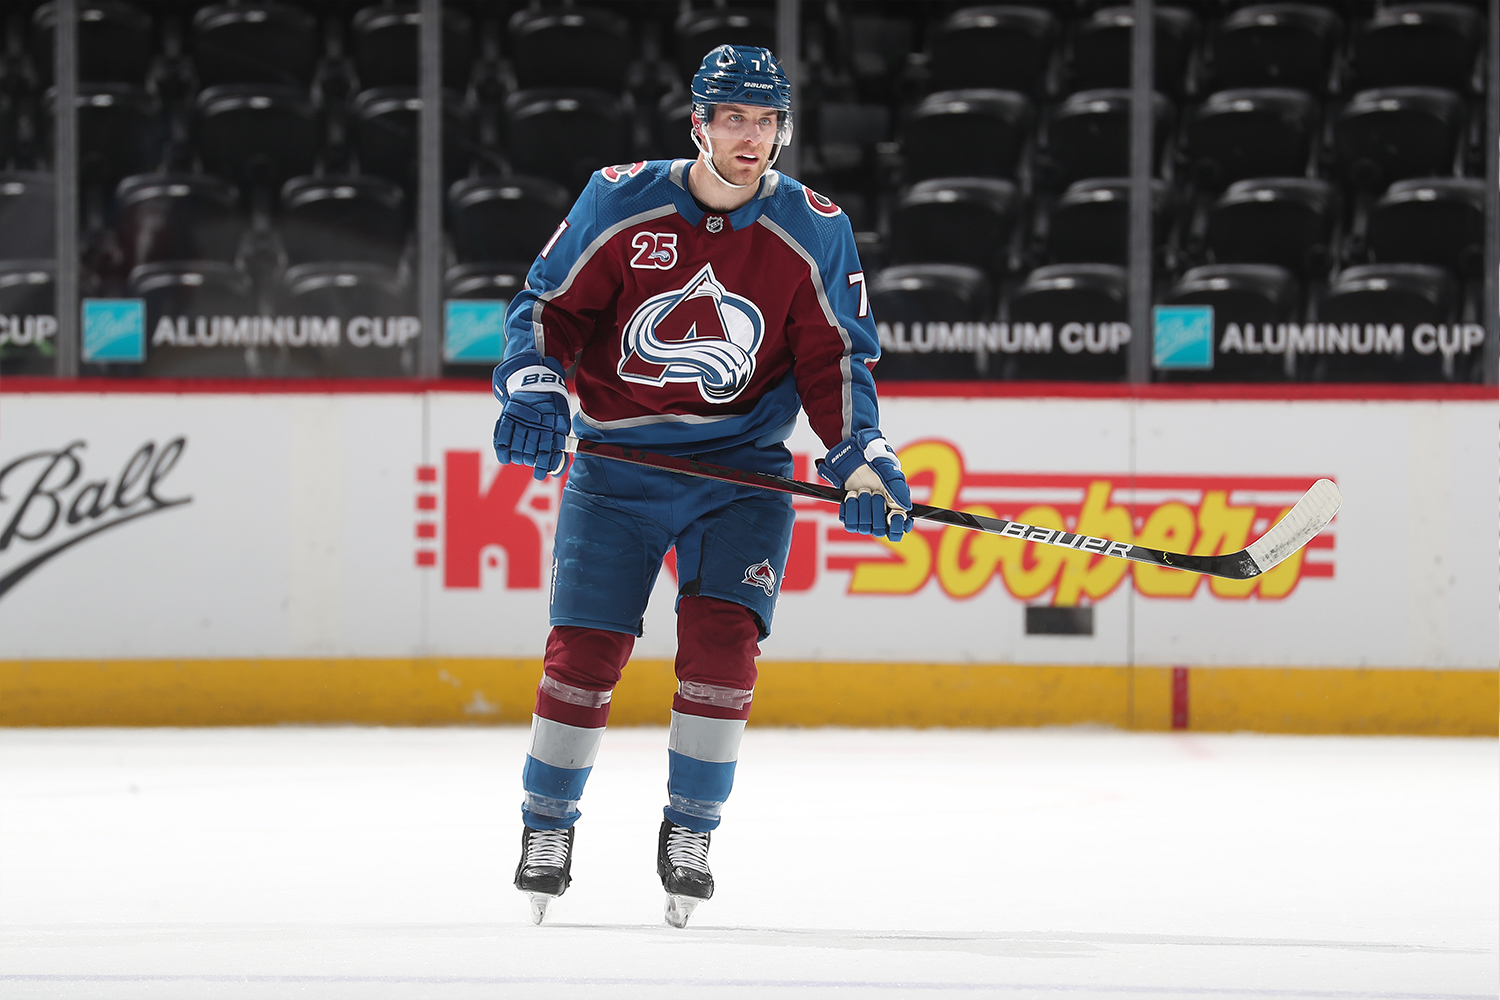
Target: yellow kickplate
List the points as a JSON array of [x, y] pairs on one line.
[[490, 691]]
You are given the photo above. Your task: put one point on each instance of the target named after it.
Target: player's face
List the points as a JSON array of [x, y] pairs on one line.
[[742, 141]]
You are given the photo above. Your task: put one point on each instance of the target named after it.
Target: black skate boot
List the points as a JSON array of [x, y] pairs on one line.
[[546, 867], [682, 863]]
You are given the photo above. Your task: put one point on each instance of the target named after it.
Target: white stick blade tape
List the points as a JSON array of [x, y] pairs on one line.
[[1310, 516]]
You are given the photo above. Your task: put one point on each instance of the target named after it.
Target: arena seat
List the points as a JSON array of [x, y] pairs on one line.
[[1419, 44], [169, 217], [955, 220], [485, 280], [256, 41], [341, 218], [908, 301], [1274, 45], [847, 139], [1422, 299], [1255, 132], [256, 134], [378, 335], [965, 133], [385, 134], [1391, 133], [1256, 299], [28, 310], [697, 31], [27, 211], [566, 133], [192, 289], [1090, 222], [1001, 47], [1288, 221], [383, 41], [114, 42], [1088, 135], [1430, 220], [504, 219], [1085, 308], [1100, 52], [121, 131], [570, 47]]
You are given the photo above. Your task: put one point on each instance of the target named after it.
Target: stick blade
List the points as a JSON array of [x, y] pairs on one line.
[[1310, 516]]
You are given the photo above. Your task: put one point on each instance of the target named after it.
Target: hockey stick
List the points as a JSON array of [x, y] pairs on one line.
[[1309, 516]]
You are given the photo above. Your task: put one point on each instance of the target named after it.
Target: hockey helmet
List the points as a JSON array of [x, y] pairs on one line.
[[743, 74]]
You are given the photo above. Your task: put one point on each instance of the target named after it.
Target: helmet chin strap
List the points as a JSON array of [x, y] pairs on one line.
[[706, 146]]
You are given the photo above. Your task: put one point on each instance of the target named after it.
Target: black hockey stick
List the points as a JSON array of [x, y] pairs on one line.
[[1309, 516]]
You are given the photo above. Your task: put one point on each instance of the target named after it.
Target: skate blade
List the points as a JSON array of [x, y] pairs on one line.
[[680, 908], [539, 901]]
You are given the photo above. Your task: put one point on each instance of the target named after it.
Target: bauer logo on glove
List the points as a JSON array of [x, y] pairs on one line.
[[534, 419], [877, 496]]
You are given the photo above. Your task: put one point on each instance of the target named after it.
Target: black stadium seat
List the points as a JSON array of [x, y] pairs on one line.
[[908, 301], [965, 133], [570, 47], [385, 133], [1100, 55], [698, 31], [160, 217], [121, 131], [1003, 47], [258, 135], [28, 317], [1088, 135], [1365, 304], [206, 292], [259, 41], [955, 220], [1420, 44], [1257, 300], [1084, 310], [1430, 220], [504, 219], [566, 133], [672, 126], [485, 280], [383, 40], [337, 218], [1275, 45], [1256, 132], [1288, 221], [27, 211], [114, 42], [378, 331], [1391, 133], [1090, 222]]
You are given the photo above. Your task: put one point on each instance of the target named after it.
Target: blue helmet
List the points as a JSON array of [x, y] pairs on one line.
[[743, 74]]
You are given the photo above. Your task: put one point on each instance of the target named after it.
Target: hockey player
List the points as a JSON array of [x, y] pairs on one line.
[[703, 303]]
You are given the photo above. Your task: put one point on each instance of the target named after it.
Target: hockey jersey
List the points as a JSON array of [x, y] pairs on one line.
[[696, 330]]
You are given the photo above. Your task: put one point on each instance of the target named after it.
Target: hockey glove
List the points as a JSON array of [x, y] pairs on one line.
[[878, 498], [534, 420]]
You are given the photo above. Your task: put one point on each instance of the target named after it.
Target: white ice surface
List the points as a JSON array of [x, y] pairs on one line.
[[370, 863]]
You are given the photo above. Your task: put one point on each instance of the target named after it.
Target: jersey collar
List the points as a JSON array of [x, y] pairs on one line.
[[741, 217]]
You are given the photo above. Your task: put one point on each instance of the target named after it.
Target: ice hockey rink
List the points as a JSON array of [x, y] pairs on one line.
[[367, 862]]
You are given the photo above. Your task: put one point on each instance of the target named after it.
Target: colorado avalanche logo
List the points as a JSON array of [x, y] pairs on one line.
[[699, 333], [615, 173], [763, 576], [823, 206]]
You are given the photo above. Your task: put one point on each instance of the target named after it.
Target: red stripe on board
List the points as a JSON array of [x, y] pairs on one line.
[[1179, 697], [427, 503], [426, 558], [426, 473], [1291, 392]]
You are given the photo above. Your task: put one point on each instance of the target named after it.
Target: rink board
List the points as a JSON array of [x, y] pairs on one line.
[[217, 558]]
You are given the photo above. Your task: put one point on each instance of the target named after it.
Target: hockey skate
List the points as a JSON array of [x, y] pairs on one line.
[[546, 867], [682, 863]]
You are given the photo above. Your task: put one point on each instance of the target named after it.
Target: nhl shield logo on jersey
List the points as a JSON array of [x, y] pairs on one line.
[[763, 576], [714, 224], [700, 333]]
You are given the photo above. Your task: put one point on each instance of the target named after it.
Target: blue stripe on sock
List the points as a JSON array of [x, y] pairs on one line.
[[705, 784], [554, 792]]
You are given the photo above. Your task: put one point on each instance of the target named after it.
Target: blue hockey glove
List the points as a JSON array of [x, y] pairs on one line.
[[878, 497], [534, 420]]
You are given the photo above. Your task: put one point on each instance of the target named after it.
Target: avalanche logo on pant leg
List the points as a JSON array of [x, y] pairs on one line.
[[763, 576], [699, 333]]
